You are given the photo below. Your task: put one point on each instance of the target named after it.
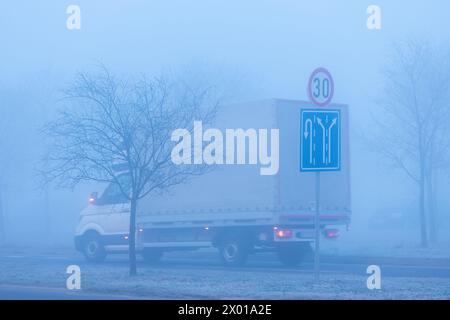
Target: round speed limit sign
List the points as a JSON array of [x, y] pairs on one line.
[[321, 87]]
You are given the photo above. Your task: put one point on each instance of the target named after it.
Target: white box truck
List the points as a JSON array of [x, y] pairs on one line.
[[232, 207]]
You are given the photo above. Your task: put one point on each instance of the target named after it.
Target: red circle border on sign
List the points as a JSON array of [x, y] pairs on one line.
[[328, 74]]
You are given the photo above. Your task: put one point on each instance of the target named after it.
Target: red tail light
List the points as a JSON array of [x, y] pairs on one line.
[[283, 233], [331, 233]]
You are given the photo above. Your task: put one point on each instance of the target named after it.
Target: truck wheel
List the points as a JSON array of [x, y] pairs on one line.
[[151, 255], [93, 249], [292, 255], [234, 251]]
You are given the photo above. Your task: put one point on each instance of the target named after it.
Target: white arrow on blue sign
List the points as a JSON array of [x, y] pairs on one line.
[[320, 136]]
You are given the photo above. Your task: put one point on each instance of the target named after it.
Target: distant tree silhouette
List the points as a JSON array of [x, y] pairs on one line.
[[414, 122]]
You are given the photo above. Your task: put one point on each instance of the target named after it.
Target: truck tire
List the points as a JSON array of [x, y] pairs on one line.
[[292, 255], [93, 248], [234, 251], [151, 255]]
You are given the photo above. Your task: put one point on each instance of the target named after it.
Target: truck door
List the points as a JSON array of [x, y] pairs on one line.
[[119, 218], [114, 220]]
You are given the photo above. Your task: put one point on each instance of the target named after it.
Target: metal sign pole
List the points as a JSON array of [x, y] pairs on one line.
[[317, 230], [322, 155]]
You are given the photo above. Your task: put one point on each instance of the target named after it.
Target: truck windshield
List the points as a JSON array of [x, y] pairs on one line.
[[114, 193]]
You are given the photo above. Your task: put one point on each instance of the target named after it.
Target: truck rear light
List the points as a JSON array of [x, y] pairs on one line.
[[283, 233], [331, 233]]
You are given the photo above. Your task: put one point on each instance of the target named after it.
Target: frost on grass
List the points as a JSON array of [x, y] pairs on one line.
[[191, 283]]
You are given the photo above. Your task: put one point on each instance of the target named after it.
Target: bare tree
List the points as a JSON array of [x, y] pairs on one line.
[[2, 218], [3, 169], [436, 168], [117, 124], [8, 121], [414, 118]]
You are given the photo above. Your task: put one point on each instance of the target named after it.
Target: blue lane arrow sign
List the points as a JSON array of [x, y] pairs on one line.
[[320, 136]]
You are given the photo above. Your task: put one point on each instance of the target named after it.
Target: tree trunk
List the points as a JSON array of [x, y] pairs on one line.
[[132, 237], [2, 218], [432, 207], [422, 213], [48, 228]]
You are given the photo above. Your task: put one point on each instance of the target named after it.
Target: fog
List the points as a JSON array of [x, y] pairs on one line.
[[255, 49]]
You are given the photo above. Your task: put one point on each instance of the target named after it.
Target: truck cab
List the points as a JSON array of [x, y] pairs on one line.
[[103, 225]]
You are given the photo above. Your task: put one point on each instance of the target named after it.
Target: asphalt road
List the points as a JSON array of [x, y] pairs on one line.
[[264, 263]]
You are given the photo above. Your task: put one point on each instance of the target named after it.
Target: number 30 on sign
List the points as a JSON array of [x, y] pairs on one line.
[[321, 87]]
